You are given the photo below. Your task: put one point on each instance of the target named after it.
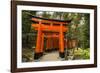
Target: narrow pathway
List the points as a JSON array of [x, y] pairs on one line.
[[52, 56]]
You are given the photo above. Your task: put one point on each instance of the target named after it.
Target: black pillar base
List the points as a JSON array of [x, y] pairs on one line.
[[37, 55], [51, 49], [41, 54], [62, 54], [48, 50]]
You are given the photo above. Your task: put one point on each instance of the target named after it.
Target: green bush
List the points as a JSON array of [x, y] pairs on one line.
[[82, 53]]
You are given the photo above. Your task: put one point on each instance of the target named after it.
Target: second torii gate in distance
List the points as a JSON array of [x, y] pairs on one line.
[[49, 29]]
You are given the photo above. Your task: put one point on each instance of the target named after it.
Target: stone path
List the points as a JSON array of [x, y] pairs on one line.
[[52, 56]]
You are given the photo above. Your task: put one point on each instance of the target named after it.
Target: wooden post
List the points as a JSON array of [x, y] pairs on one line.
[[38, 43], [42, 44], [50, 42], [57, 43], [47, 44], [54, 42], [61, 42]]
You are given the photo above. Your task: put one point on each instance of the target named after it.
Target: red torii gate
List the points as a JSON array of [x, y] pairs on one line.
[[50, 29]]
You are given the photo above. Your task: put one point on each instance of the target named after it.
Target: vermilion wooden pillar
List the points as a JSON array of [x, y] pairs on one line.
[[42, 44], [53, 42], [61, 42], [57, 43], [48, 44], [38, 42]]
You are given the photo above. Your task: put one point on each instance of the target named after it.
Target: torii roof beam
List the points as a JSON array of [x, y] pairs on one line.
[[53, 21], [48, 28]]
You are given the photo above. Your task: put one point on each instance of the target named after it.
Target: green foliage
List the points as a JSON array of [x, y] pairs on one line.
[[79, 29], [27, 35], [86, 54], [82, 53], [84, 30]]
